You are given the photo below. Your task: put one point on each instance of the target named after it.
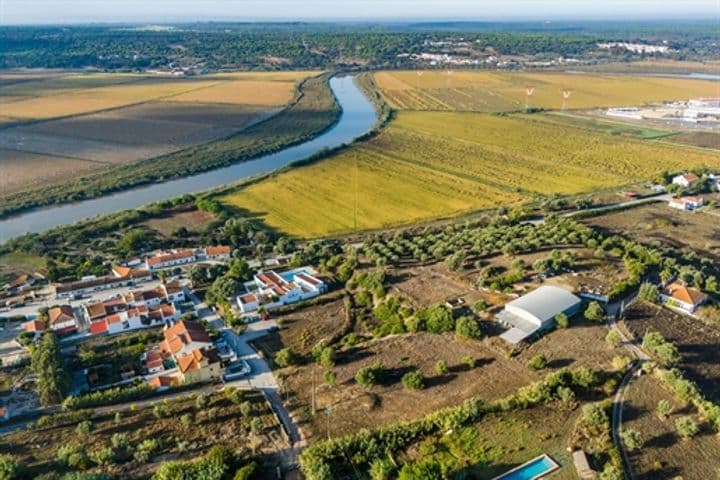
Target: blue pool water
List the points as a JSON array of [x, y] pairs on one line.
[[288, 276], [530, 470]]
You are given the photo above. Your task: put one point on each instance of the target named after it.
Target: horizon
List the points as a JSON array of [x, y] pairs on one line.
[[84, 12]]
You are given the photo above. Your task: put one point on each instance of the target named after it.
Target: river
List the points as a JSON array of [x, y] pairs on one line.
[[358, 116]]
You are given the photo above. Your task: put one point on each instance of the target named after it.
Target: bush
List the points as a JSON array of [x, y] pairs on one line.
[[649, 293], [621, 362], [437, 319], [145, 450], [186, 419], [562, 320], [103, 456], [566, 395], [441, 367], [468, 327], [327, 358], [370, 375], [469, 362], [84, 428], [73, 455], [594, 312], [664, 409], [285, 358], [246, 472], [594, 414], [202, 401], [119, 441], [538, 362], [330, 378], [109, 396], [686, 427], [633, 440], [664, 351], [9, 467], [413, 380], [613, 338], [422, 470], [381, 469]]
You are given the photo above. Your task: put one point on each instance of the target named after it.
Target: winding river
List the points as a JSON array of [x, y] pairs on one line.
[[357, 117]]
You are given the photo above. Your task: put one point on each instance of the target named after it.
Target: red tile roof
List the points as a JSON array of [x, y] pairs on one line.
[[685, 294], [35, 326], [98, 327], [192, 361], [163, 381], [184, 333], [163, 257], [218, 250]]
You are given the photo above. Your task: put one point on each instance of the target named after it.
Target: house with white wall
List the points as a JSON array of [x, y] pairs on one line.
[[271, 290], [683, 298], [686, 203]]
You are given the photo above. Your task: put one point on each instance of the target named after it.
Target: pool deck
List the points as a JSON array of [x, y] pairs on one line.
[[553, 467]]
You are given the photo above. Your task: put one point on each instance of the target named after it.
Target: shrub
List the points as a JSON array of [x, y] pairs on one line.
[[538, 362], [381, 469], [84, 428], [633, 440], [620, 363], [686, 427], [118, 418], [566, 395], [119, 441], [370, 375], [103, 456], [160, 411], [145, 450], [649, 293], [109, 396], [8, 467], [202, 401], [664, 409], [422, 470], [594, 414], [186, 419], [285, 358], [437, 319], [613, 338], [594, 312], [256, 425], [245, 409], [246, 472], [562, 320], [441, 367], [413, 380], [468, 327], [330, 378], [469, 362], [584, 377], [74, 456], [327, 357], [666, 352]]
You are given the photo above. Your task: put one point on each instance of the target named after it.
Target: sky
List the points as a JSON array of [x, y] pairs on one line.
[[85, 11]]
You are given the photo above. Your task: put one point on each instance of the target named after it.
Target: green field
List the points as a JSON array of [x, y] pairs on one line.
[[429, 165]]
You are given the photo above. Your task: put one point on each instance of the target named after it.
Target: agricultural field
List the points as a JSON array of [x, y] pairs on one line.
[[195, 221], [661, 225], [219, 422], [426, 165], [664, 454], [501, 92], [696, 341], [110, 120]]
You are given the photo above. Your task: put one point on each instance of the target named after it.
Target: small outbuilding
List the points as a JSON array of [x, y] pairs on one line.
[[536, 311]]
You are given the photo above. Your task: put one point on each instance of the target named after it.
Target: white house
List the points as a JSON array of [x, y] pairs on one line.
[[683, 298], [686, 203], [219, 252], [686, 179], [271, 290], [62, 320], [170, 258]]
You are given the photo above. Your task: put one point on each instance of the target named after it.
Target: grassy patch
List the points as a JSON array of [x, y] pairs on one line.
[[20, 262]]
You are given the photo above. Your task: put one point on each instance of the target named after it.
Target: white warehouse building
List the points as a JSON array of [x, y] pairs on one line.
[[536, 311]]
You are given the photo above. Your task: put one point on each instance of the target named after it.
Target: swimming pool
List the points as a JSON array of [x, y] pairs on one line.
[[290, 274], [531, 470]]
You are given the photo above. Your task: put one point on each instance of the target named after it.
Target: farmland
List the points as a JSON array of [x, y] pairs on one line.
[[498, 92], [109, 120], [426, 165], [127, 143]]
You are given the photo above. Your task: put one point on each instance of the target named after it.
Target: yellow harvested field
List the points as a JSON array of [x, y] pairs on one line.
[[243, 92], [20, 169], [427, 165], [499, 91]]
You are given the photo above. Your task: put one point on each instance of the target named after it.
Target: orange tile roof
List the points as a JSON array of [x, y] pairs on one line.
[[192, 361], [164, 257], [121, 271], [684, 294], [61, 314], [163, 381], [218, 250], [184, 333], [34, 326]]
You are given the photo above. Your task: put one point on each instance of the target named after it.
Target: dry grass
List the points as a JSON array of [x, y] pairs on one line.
[[664, 454], [242, 92], [660, 224], [492, 91], [193, 220]]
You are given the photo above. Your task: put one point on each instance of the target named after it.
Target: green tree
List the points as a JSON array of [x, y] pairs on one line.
[[594, 312], [632, 439], [413, 380], [285, 357], [686, 427], [469, 362], [246, 472], [422, 470], [613, 338], [649, 293], [381, 469], [9, 467], [84, 428], [594, 414], [468, 327], [46, 362], [370, 375], [327, 357], [330, 378]]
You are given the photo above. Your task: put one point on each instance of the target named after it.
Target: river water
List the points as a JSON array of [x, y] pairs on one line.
[[357, 117]]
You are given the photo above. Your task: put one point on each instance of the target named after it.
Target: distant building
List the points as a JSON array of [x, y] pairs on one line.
[[625, 112], [536, 311], [682, 297], [121, 277], [686, 203], [62, 320], [19, 284], [200, 365], [686, 180], [271, 290], [216, 253], [170, 258]]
